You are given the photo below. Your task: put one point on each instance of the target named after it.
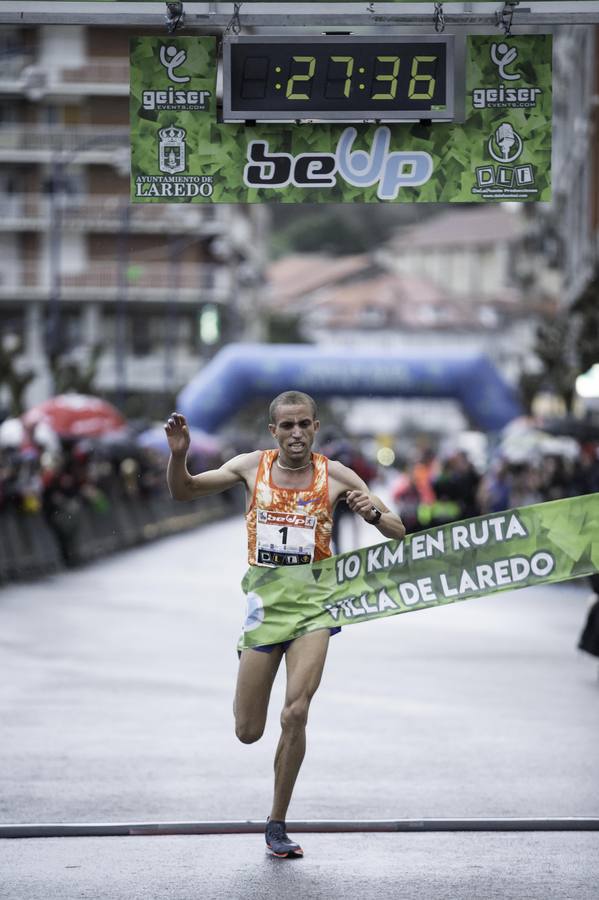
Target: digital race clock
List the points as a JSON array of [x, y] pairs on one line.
[[338, 77]]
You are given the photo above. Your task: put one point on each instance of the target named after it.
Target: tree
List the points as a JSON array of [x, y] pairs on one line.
[[11, 377], [70, 375], [339, 229], [556, 351], [282, 328], [587, 339]]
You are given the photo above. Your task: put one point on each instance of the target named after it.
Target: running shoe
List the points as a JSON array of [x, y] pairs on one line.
[[278, 843]]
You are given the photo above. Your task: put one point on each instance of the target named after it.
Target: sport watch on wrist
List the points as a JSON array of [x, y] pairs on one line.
[[377, 516]]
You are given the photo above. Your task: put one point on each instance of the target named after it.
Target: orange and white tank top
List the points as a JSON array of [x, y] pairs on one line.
[[287, 527]]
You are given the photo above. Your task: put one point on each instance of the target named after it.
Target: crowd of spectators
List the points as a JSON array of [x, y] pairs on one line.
[[60, 481], [436, 489]]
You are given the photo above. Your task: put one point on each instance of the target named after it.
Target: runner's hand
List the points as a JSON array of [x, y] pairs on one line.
[[177, 434], [360, 503]]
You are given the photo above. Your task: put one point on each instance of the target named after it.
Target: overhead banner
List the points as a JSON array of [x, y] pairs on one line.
[[539, 544], [181, 153], [291, 2]]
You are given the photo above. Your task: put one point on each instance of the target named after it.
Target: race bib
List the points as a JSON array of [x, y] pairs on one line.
[[284, 539]]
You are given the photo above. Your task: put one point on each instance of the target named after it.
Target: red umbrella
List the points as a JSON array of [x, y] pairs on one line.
[[75, 416]]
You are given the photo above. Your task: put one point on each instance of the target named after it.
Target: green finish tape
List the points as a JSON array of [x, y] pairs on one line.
[[539, 544]]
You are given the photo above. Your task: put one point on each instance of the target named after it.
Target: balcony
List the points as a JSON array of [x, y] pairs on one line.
[[20, 73], [98, 76], [147, 374], [13, 63], [104, 281], [44, 143], [105, 213]]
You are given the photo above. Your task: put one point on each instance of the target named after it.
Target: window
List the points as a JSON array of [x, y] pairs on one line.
[[12, 331], [70, 327]]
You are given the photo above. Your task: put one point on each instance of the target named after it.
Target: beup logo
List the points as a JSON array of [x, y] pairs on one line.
[[501, 97], [171, 58], [503, 56], [171, 150], [390, 170], [254, 615]]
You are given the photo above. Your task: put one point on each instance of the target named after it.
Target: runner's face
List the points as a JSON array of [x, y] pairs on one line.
[[294, 430]]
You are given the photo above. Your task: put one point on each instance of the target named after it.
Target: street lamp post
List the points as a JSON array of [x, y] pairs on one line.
[[170, 340], [120, 343], [54, 342]]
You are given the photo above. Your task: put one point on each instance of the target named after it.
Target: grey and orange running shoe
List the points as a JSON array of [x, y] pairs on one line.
[[278, 843]]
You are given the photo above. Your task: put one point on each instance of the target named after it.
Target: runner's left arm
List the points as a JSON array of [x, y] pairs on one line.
[[365, 504]]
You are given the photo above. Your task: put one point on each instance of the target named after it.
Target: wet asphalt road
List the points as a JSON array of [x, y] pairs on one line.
[[115, 698]]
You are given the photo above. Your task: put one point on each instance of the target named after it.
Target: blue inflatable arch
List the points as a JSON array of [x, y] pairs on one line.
[[242, 372]]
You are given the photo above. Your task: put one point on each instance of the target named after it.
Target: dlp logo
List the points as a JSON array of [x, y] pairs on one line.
[[360, 168]]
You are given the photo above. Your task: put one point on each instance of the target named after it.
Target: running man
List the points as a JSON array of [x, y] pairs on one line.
[[290, 478]]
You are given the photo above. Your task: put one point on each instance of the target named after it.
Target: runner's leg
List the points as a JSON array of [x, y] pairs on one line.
[[305, 661], [255, 678]]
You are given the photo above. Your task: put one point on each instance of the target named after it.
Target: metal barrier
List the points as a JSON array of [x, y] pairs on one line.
[[34, 544], [27, 546]]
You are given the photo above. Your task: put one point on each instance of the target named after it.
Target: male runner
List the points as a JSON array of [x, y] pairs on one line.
[[290, 478]]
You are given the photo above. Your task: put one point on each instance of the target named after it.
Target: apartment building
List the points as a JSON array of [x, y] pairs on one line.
[[157, 286], [572, 222]]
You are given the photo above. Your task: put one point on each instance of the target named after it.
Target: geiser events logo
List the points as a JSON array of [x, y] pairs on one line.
[[175, 98], [502, 97], [391, 170]]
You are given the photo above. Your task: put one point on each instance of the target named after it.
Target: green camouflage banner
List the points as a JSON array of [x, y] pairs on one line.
[[181, 153], [538, 544], [284, 2]]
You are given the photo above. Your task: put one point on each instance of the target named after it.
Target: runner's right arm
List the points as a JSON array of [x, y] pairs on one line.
[[184, 486]]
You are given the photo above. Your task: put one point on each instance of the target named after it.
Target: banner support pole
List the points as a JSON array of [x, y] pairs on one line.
[[341, 826]]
